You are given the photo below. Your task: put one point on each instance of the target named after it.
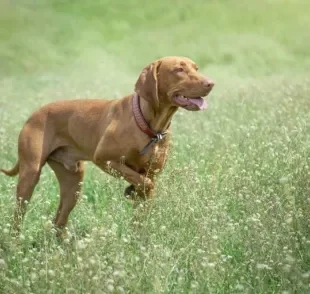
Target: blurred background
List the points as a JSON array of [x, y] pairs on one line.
[[244, 38]]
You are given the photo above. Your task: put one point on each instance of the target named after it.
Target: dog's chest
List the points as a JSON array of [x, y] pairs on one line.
[[154, 160]]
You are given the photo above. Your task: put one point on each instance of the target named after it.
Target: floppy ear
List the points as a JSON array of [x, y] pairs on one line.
[[147, 85]]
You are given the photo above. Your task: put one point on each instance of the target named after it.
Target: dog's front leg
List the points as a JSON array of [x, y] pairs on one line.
[[143, 185]]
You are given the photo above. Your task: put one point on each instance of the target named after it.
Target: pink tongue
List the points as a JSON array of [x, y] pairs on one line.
[[199, 102]]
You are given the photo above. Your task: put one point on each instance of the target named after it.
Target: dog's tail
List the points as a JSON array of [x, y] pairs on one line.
[[11, 172]]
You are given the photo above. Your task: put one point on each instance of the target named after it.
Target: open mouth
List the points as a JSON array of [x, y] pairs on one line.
[[191, 103]]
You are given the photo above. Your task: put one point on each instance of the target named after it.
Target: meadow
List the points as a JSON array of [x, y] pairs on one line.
[[231, 213]]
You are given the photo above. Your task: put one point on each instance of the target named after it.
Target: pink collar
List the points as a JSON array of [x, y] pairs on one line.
[[143, 125]]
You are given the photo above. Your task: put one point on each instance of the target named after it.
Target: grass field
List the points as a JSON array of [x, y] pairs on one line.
[[232, 208]]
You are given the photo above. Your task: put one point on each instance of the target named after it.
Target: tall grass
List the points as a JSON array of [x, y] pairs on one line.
[[232, 205]]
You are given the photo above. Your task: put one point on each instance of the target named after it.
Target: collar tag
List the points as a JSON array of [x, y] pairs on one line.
[[154, 140]]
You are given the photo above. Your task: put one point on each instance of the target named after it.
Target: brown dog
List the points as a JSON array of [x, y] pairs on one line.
[[127, 137]]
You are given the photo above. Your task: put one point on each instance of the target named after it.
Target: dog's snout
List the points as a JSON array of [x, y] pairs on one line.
[[207, 83]]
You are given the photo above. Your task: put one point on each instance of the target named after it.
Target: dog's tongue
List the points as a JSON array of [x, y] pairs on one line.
[[200, 103]]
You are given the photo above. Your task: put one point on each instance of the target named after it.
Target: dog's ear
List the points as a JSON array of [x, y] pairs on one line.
[[147, 84]]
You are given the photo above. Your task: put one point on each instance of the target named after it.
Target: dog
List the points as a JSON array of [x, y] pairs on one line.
[[126, 138]]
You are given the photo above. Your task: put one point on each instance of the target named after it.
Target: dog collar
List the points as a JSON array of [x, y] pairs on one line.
[[143, 125]]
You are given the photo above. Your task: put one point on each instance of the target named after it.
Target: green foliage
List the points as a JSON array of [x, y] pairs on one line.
[[232, 208]]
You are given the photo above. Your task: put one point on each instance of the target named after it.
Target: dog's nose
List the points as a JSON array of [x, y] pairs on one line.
[[207, 83]]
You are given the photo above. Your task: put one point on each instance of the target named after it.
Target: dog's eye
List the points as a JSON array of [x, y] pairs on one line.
[[179, 69]]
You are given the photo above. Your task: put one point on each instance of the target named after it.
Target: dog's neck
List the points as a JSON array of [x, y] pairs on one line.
[[158, 119]]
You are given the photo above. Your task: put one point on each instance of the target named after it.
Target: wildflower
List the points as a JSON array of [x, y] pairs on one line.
[[2, 264], [48, 225], [33, 276], [110, 288], [81, 244], [239, 287], [261, 266], [71, 291], [306, 275]]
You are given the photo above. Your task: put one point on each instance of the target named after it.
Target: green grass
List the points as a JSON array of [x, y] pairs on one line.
[[232, 208]]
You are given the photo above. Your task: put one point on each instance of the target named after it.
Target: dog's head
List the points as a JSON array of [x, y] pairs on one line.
[[174, 81]]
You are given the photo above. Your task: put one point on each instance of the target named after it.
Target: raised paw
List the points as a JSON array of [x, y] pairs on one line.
[[129, 192]]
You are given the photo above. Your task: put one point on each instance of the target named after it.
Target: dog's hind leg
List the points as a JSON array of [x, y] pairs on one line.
[[70, 183], [32, 156], [28, 178]]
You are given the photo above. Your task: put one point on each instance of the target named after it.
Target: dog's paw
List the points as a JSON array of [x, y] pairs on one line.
[[129, 192]]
